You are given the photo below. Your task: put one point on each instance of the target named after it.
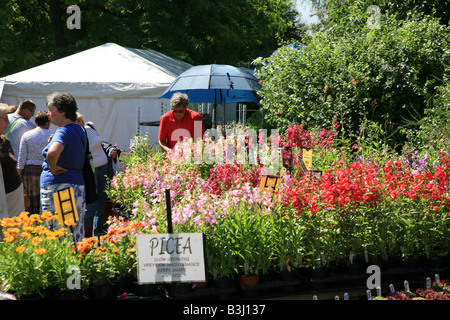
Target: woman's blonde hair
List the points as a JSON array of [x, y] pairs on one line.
[[79, 117], [4, 108]]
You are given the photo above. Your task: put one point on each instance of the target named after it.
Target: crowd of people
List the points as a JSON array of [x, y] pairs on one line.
[[36, 162]]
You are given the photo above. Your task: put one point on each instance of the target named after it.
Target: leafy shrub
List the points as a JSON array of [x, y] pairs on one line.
[[351, 72]]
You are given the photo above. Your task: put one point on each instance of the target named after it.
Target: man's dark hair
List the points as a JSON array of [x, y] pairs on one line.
[[41, 118], [27, 104]]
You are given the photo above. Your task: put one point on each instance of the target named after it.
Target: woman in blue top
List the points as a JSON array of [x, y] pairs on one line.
[[64, 158]]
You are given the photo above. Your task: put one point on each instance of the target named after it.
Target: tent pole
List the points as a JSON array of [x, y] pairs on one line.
[[138, 128], [223, 108], [215, 111]]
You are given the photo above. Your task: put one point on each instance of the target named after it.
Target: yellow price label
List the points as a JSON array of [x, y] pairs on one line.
[[307, 158], [65, 206], [269, 183]]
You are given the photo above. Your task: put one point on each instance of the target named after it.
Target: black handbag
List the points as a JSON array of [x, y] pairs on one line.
[[90, 185]]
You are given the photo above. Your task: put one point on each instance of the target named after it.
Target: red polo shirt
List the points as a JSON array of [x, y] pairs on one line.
[[170, 130]]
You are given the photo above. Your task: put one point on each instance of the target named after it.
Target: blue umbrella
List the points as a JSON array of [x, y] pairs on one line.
[[215, 83]]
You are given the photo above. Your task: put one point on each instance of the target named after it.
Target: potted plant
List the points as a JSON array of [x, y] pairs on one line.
[[250, 230], [35, 261], [97, 270], [219, 256], [287, 234]]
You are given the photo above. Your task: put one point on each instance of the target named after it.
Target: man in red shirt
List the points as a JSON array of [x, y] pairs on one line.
[[179, 123]]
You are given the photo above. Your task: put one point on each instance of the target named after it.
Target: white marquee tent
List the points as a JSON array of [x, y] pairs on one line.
[[115, 87]]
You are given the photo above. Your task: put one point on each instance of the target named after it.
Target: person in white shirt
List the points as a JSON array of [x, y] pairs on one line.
[[19, 123], [95, 214], [12, 193], [30, 159]]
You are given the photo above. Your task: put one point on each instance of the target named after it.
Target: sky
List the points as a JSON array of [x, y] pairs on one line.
[[304, 7]]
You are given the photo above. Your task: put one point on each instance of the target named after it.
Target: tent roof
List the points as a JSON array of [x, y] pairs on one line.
[[106, 70]]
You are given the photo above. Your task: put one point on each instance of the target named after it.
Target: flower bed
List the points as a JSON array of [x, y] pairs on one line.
[[36, 262], [357, 210], [34, 259]]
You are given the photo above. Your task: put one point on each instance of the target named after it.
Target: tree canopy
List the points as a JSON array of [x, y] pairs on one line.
[[196, 31], [354, 70], [331, 11]]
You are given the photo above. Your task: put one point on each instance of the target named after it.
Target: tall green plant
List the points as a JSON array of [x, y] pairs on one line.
[[354, 71]]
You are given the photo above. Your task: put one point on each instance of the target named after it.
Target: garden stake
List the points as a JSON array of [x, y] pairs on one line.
[[391, 288], [169, 288], [406, 283], [169, 212], [428, 283]]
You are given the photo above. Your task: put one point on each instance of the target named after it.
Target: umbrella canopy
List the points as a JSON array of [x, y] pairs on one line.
[[215, 83]]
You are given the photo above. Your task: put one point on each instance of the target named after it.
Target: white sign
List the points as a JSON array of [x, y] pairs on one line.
[[177, 257]]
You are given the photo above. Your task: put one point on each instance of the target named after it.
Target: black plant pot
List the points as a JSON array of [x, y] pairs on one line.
[[144, 289], [103, 292], [223, 283], [288, 275]]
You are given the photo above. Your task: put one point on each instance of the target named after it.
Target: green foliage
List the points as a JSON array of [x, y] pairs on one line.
[[341, 8], [199, 32], [141, 152], [432, 137], [435, 126], [23, 26], [351, 71]]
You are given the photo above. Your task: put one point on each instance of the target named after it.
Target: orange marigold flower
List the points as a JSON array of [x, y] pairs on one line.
[[24, 215], [20, 249], [86, 243], [100, 250], [81, 247], [70, 223], [59, 232], [115, 250], [8, 238], [25, 235], [40, 251], [9, 222], [35, 218], [47, 216], [36, 241], [90, 240], [14, 230], [39, 229]]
